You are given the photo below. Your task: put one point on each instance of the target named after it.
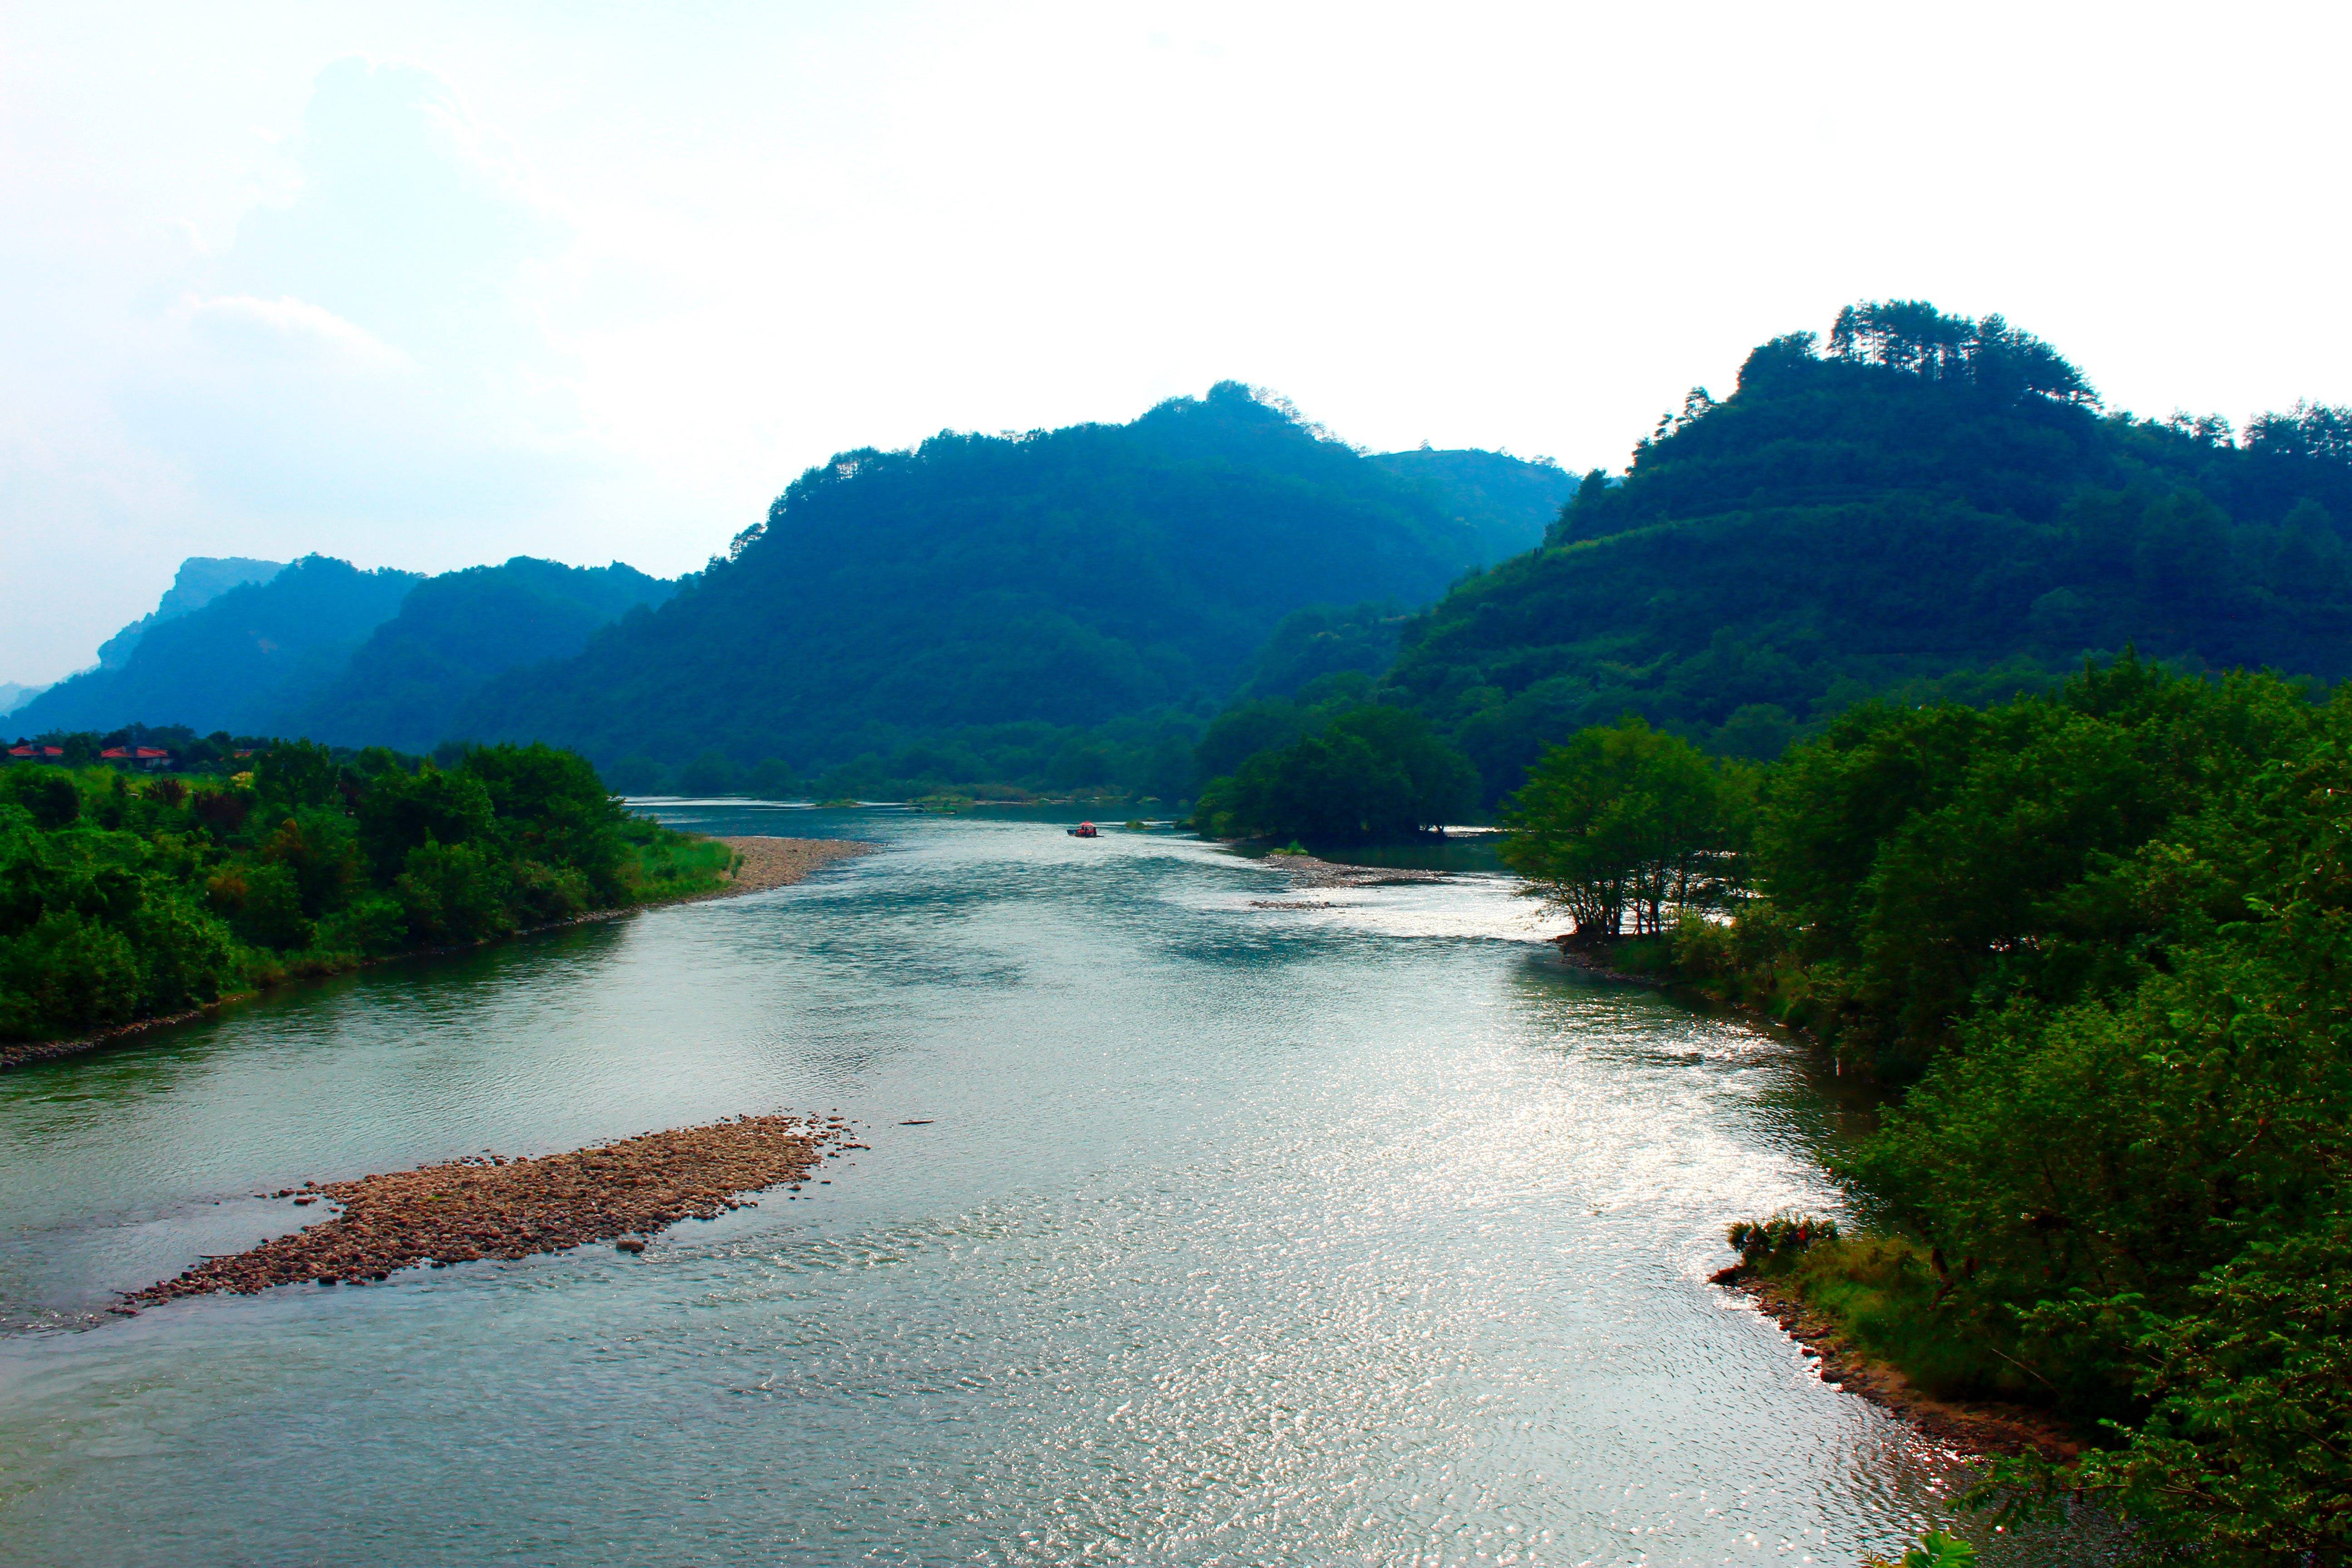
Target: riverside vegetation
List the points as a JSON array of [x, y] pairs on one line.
[[2100, 940], [125, 898]]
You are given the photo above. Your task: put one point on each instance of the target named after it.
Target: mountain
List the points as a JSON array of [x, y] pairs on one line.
[[403, 687], [1508, 501], [200, 580], [1060, 578], [249, 654], [1320, 640], [324, 650], [1931, 506], [15, 694]]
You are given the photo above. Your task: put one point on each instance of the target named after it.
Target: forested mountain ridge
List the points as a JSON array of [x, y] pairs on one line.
[[1932, 504], [1508, 501], [1064, 577], [405, 686], [199, 580], [324, 650], [236, 662]]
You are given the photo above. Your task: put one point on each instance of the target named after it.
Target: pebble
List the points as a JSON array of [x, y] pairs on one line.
[[490, 1206]]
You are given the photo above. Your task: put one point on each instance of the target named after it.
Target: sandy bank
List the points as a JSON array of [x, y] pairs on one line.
[[484, 1206]]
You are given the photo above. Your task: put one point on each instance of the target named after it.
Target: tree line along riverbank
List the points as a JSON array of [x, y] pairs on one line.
[[2099, 940], [126, 898]]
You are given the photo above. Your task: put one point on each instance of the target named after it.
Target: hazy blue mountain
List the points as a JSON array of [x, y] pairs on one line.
[[1066, 577], [1508, 501], [15, 694], [404, 686], [200, 580], [246, 656]]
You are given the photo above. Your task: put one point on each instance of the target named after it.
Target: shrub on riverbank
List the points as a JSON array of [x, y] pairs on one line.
[[2104, 937], [123, 899]]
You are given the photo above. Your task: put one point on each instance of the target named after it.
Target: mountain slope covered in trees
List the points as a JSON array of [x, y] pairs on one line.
[[403, 687], [1063, 578], [238, 662], [1932, 505], [323, 650], [199, 580], [1508, 501]]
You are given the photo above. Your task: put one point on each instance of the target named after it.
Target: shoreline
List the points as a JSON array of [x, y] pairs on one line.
[[1583, 957], [483, 1205], [1984, 1427], [758, 867]]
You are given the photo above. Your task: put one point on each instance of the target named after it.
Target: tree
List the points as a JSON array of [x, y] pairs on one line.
[[1625, 818], [1371, 772]]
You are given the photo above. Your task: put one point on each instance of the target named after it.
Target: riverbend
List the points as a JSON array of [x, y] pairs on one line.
[[1203, 1221]]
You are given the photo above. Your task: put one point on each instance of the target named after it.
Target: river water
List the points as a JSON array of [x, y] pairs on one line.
[[1354, 1230]]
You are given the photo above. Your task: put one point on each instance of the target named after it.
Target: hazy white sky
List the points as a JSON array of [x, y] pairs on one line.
[[430, 285]]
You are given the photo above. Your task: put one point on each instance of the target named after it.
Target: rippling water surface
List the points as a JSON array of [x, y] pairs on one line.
[[1351, 1232]]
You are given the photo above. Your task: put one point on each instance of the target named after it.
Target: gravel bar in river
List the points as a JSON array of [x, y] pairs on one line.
[[485, 1206], [778, 862]]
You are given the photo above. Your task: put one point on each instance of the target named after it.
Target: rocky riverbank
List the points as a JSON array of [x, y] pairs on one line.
[[762, 863], [1980, 1427], [1307, 871], [487, 1207]]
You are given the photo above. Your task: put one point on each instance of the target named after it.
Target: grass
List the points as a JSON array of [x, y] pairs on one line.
[[678, 867], [1884, 1295]]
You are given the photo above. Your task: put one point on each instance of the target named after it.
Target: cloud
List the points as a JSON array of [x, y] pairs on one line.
[[368, 348], [287, 330]]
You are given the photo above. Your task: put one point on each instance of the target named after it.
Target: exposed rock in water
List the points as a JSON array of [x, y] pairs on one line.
[[488, 1207]]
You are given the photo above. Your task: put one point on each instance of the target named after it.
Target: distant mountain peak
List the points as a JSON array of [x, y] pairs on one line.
[[199, 580]]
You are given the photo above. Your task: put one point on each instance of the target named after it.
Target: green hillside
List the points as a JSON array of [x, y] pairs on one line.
[[404, 686], [1929, 506], [1060, 579]]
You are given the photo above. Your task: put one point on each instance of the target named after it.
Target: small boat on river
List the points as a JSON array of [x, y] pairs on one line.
[[1084, 830]]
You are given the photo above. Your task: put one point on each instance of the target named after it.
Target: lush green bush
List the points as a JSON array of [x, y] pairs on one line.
[[119, 900]]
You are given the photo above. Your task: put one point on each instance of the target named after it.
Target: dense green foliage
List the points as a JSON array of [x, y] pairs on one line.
[[1322, 640], [1506, 501], [403, 687], [1332, 768], [238, 661], [124, 898], [2104, 936], [1066, 578], [1933, 509]]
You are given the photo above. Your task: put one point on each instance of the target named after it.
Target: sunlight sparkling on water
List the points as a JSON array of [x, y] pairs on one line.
[[1357, 1234]]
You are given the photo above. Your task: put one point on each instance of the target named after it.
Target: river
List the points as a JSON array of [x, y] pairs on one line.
[[1357, 1231]]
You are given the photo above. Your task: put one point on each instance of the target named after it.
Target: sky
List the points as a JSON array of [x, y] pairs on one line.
[[431, 285]]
